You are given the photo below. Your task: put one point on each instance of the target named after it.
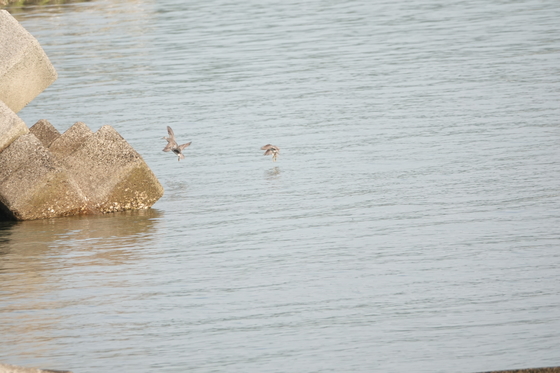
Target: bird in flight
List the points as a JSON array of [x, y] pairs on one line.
[[172, 145], [271, 149]]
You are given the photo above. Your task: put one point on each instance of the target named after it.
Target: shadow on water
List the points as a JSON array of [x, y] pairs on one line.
[[273, 173]]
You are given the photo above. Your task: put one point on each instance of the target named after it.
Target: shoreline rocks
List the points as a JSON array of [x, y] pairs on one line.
[[25, 69], [46, 174], [34, 185], [11, 126], [110, 172]]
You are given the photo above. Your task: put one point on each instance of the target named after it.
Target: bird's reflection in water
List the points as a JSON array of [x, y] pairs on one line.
[[177, 189], [273, 173], [176, 184]]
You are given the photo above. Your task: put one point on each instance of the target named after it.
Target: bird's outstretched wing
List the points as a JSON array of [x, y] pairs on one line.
[[266, 147], [168, 147], [170, 132], [268, 152], [184, 145]]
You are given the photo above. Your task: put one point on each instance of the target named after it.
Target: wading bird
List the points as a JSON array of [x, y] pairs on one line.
[[172, 145], [271, 149]]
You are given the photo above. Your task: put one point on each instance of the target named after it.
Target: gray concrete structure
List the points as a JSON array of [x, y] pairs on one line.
[[45, 132], [34, 185], [25, 69], [11, 126], [46, 174], [70, 140], [81, 172], [112, 174]]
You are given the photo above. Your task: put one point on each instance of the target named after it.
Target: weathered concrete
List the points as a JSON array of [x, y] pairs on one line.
[[70, 140], [45, 132], [112, 174], [11, 126], [7, 368], [45, 174], [25, 69], [34, 185], [79, 173]]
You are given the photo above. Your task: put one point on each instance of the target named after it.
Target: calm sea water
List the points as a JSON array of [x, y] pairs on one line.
[[411, 223]]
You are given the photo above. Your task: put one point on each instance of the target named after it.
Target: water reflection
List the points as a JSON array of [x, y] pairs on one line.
[[31, 251], [273, 173], [40, 236], [45, 265]]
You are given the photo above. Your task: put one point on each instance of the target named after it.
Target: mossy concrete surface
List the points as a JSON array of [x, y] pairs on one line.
[[81, 172], [112, 174], [25, 69], [34, 185]]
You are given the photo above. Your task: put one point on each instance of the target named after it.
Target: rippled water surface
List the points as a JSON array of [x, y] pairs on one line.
[[411, 223]]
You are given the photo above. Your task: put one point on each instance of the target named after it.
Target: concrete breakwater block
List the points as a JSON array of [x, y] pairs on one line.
[[25, 69], [70, 140], [46, 174], [45, 132], [34, 185], [80, 172], [111, 173], [11, 126]]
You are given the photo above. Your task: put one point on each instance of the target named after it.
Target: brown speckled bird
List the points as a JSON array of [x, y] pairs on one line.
[[172, 145], [271, 149]]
